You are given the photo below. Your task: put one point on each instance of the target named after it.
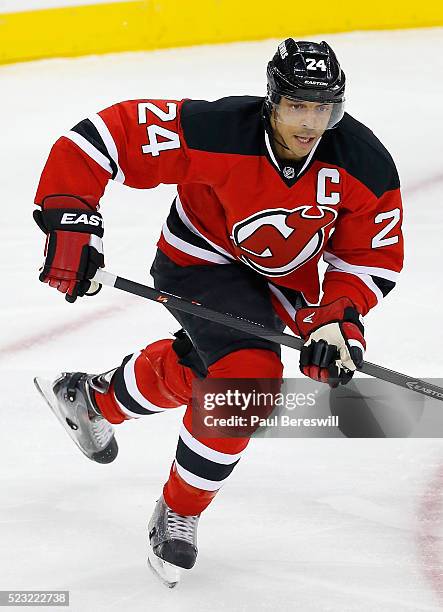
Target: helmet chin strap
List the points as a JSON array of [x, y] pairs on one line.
[[270, 129], [279, 142]]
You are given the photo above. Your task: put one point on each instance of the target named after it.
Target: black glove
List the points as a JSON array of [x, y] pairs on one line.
[[74, 248], [335, 342]]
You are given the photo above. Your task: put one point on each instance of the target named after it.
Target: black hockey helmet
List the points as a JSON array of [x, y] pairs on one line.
[[309, 71]]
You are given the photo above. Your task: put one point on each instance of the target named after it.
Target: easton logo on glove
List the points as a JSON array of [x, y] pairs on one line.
[[335, 344], [76, 218], [74, 250]]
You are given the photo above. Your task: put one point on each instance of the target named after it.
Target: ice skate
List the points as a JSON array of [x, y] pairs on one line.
[[70, 399], [172, 543]]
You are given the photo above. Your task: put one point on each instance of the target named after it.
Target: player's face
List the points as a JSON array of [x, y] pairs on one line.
[[299, 124]]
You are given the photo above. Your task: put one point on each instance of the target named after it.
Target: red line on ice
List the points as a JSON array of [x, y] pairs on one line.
[[429, 533], [430, 511], [52, 333]]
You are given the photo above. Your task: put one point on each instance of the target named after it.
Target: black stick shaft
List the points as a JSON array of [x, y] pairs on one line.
[[255, 329]]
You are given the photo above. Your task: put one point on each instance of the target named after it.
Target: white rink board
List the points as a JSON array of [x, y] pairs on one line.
[[308, 525], [16, 6]]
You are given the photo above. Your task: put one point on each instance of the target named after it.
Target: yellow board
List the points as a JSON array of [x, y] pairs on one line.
[[153, 24]]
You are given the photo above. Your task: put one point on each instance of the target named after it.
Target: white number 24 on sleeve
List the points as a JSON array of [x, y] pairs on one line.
[[154, 147]]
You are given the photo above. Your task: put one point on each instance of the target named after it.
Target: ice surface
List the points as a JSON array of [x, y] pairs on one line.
[[309, 525]]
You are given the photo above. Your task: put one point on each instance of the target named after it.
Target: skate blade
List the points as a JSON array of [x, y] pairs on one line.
[[168, 574], [44, 387]]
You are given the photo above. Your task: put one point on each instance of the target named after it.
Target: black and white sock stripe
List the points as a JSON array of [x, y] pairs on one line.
[[198, 464], [201, 466], [94, 138], [129, 398], [379, 280]]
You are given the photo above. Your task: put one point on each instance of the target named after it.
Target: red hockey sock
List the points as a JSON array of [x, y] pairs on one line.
[[107, 404], [182, 496], [159, 378]]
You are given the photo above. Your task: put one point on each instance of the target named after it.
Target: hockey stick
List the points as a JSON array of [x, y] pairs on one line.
[[256, 329]]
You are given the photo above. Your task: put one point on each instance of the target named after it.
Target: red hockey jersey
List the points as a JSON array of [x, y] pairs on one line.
[[237, 201]]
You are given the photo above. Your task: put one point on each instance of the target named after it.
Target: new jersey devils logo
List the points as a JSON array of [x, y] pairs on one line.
[[276, 242]]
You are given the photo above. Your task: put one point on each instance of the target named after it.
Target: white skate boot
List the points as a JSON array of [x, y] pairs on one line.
[[172, 543], [71, 400]]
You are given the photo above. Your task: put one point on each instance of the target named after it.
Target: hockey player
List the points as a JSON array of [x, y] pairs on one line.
[[266, 186]]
